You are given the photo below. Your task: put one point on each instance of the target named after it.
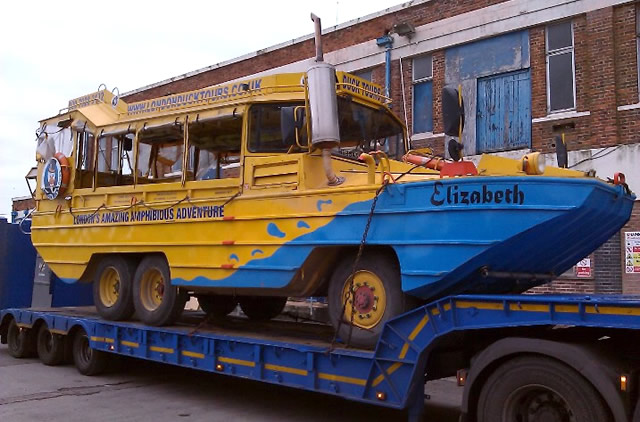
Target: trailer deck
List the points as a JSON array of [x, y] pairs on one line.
[[300, 355]]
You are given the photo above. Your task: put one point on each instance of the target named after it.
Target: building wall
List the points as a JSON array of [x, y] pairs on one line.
[[607, 112]]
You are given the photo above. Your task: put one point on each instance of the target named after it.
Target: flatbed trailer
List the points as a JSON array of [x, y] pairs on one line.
[[590, 342]]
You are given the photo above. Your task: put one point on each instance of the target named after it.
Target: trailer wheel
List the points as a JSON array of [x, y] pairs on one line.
[[50, 346], [88, 361], [112, 288], [539, 389], [156, 301], [376, 297], [217, 306], [262, 308], [20, 342]]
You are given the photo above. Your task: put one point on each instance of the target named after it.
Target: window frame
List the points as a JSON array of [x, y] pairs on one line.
[[558, 52], [638, 48], [415, 82]]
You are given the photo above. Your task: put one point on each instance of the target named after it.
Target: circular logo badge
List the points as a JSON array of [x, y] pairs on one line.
[[51, 178]]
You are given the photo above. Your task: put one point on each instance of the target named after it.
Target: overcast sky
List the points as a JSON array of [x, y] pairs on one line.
[[52, 51]]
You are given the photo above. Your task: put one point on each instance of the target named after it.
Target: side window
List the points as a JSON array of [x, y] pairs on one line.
[[265, 131], [115, 160], [160, 154], [423, 94], [561, 88], [84, 164], [214, 149]]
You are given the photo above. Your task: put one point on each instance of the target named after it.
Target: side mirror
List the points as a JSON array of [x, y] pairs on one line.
[[291, 120], [561, 152], [127, 144], [452, 111]]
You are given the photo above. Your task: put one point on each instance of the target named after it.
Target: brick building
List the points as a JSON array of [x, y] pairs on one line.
[[529, 71]]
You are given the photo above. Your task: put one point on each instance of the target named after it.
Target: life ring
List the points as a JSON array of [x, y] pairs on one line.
[[55, 176]]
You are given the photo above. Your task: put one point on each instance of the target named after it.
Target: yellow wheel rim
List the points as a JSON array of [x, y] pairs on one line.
[[152, 287], [109, 287], [367, 300]]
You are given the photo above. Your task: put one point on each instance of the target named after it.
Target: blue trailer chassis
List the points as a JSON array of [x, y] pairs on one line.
[[392, 375]]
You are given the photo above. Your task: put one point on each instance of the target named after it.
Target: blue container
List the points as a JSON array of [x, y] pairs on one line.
[[17, 265]]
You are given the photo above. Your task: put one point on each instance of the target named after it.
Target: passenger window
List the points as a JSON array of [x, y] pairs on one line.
[[115, 160], [265, 133], [84, 165], [215, 148], [160, 154]]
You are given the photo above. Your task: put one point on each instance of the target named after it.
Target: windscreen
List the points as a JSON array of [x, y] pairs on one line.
[[364, 129]]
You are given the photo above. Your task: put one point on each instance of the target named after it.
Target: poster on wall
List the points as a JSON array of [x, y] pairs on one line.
[[583, 268], [632, 252]]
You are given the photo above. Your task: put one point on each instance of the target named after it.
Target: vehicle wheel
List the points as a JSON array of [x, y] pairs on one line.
[[539, 389], [50, 347], [88, 361], [112, 288], [20, 342], [217, 306], [378, 298], [156, 301], [262, 308]]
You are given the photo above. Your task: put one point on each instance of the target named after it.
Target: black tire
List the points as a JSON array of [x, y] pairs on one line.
[[50, 346], [156, 301], [262, 308], [217, 306], [536, 388], [112, 288], [88, 361], [376, 270], [20, 342]]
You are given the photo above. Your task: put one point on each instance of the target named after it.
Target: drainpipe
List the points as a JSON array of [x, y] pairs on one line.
[[386, 41]]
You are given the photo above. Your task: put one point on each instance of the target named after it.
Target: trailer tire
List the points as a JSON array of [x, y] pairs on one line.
[[262, 308], [112, 287], [379, 297], [539, 388], [88, 361], [217, 306], [50, 346], [156, 301], [20, 343]]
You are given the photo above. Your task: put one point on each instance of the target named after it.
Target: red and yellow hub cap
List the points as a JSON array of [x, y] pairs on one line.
[[365, 299]]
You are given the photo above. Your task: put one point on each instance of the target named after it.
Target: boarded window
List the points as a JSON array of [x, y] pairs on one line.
[[560, 67], [422, 94]]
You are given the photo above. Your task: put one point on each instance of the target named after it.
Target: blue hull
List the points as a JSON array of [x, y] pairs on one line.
[[444, 232]]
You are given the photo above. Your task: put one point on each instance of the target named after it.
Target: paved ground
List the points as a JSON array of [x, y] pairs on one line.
[[142, 391]]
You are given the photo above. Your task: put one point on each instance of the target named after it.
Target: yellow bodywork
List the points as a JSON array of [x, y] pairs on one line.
[[209, 228]]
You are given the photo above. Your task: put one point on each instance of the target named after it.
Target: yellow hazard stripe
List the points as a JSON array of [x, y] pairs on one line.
[[129, 343], [340, 378], [612, 310], [160, 349], [61, 332], [390, 370], [23, 325], [193, 354], [237, 361], [102, 339], [286, 369]]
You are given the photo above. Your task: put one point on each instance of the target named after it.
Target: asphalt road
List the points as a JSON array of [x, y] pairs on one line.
[[144, 391]]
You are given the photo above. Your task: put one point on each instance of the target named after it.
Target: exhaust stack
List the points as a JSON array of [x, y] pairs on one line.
[[323, 103]]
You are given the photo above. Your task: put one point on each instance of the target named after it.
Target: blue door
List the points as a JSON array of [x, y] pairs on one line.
[[503, 118]]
